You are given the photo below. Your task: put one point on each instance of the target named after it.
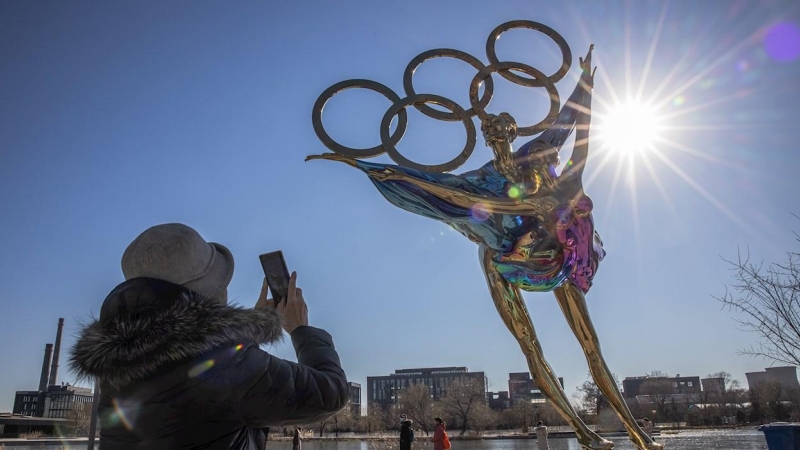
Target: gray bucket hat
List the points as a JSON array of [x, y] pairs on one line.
[[177, 253]]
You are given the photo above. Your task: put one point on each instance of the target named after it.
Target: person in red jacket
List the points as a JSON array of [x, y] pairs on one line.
[[438, 435]]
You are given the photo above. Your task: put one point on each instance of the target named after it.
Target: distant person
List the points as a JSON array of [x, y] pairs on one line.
[[181, 368], [296, 439], [647, 426], [406, 433], [440, 439], [541, 436]]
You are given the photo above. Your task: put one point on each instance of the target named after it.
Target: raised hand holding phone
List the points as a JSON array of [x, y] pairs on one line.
[[287, 297], [294, 310], [276, 274]]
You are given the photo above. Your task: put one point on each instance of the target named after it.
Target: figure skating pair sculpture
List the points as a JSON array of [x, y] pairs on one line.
[[533, 225]]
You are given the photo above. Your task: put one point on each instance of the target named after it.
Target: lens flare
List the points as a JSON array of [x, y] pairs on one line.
[[743, 65], [124, 412], [201, 368], [479, 212], [629, 128], [236, 349], [782, 41]]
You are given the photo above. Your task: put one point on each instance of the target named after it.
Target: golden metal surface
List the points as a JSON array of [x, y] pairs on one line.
[[498, 132], [408, 81], [478, 105], [420, 100], [551, 199], [535, 206], [512, 309], [573, 305], [371, 152], [566, 53], [502, 67]]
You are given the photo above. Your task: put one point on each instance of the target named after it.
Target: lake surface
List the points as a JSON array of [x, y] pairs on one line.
[[750, 439], [706, 440]]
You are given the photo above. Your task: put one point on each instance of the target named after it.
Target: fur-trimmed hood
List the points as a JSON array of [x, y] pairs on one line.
[[147, 324]]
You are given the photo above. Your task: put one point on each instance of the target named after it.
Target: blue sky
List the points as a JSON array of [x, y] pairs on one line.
[[116, 116]]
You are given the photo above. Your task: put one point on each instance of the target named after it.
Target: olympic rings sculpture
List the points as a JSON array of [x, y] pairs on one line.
[[478, 105]]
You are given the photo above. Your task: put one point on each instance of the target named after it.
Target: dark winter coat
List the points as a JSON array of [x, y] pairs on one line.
[[179, 371], [406, 436], [296, 440]]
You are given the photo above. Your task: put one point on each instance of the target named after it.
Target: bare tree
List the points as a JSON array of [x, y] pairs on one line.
[[521, 415], [592, 406], [768, 298], [335, 421], [81, 415], [658, 374], [417, 404], [548, 414], [589, 400], [728, 382], [375, 420], [588, 397], [768, 398], [321, 426], [659, 390], [729, 393], [462, 399], [483, 418], [343, 419]]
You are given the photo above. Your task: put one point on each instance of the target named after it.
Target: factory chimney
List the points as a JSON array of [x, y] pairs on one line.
[[48, 353], [56, 351]]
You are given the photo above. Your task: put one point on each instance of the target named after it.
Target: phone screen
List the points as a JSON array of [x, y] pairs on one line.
[[277, 275]]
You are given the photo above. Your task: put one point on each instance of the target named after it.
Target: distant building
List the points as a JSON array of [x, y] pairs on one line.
[[786, 376], [60, 400], [51, 400], [56, 403], [29, 403], [49, 408], [677, 389], [355, 398], [521, 388], [499, 401], [14, 425], [385, 391], [713, 385], [633, 386]]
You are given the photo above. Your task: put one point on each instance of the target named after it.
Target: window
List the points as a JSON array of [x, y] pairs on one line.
[[674, 384], [689, 384]]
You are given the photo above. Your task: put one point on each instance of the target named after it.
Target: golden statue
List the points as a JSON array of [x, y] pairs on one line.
[[533, 226]]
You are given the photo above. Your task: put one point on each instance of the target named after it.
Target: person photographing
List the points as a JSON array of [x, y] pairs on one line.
[[180, 368]]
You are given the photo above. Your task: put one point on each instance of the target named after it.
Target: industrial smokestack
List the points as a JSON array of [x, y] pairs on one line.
[[48, 353], [56, 351]]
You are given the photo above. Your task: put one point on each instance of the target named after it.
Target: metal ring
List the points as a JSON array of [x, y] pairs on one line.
[[399, 107], [566, 53], [408, 83], [555, 102], [316, 118]]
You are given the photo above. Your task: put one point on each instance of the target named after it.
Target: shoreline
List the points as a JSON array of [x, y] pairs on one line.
[[554, 435]]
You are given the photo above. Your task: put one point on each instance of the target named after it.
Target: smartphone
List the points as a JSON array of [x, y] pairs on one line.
[[277, 275]]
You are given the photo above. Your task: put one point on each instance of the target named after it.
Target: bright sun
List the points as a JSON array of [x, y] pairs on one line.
[[629, 128]]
